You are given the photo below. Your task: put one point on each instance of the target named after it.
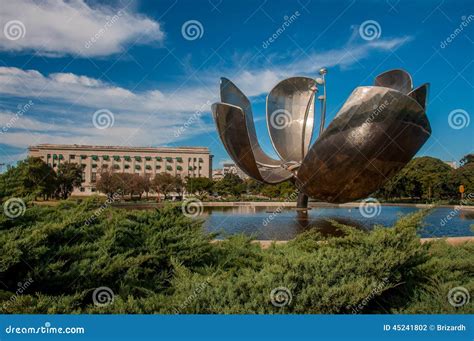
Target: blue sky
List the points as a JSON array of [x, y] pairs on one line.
[[132, 61]]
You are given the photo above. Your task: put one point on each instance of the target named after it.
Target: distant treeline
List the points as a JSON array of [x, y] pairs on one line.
[[423, 179]]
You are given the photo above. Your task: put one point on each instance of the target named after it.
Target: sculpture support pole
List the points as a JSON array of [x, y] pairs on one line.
[[302, 201]]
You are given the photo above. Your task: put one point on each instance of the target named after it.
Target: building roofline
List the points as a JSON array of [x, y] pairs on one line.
[[119, 148]]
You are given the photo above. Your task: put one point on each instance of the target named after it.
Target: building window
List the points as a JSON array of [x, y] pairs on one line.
[[148, 167], [116, 158], [138, 158], [148, 158], [72, 157], [158, 158], [83, 157], [93, 189], [158, 167], [179, 168], [93, 177], [105, 157], [116, 167], [138, 167], [82, 189], [179, 159], [94, 165], [83, 177], [105, 166], [95, 157], [127, 158], [127, 166], [169, 159], [169, 168]]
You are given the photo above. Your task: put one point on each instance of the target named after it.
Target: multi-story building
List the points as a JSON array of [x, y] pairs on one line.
[[217, 174], [178, 161], [233, 169]]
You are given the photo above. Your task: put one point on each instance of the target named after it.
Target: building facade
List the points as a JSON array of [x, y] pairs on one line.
[[231, 168], [178, 161]]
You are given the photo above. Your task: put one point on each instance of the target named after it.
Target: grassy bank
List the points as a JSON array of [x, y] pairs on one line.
[[160, 261]]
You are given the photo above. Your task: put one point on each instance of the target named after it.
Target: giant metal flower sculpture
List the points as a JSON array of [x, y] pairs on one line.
[[375, 133]]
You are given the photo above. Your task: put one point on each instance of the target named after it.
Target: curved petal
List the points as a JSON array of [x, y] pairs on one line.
[[290, 117], [232, 127], [231, 94], [399, 80], [420, 94], [364, 147]]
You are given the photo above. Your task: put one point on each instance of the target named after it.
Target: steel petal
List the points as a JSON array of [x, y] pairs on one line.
[[290, 117], [420, 94], [399, 80], [231, 94], [232, 127], [375, 134]]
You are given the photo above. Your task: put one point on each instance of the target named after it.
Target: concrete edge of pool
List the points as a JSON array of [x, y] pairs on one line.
[[265, 244]]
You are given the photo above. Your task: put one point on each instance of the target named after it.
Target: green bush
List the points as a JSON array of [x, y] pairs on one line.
[[162, 262]]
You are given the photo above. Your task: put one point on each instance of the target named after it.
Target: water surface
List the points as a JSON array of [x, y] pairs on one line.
[[263, 224]]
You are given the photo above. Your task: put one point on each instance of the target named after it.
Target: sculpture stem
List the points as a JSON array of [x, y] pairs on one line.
[[302, 201]]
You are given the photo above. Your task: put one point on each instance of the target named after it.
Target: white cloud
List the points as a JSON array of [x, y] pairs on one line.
[[57, 27], [142, 117]]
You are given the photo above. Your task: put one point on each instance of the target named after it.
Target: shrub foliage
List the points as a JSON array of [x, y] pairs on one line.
[[162, 262]]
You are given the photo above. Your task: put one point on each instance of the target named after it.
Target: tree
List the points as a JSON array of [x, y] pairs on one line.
[[467, 159], [423, 177], [109, 183], [31, 176], [253, 186], [137, 185], [146, 184], [200, 186], [69, 175], [178, 186], [463, 176], [231, 184], [164, 183]]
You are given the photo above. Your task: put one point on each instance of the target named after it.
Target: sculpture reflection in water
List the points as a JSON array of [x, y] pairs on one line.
[[373, 136]]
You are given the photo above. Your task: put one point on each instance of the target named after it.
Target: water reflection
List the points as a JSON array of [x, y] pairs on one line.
[[284, 223], [277, 223]]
